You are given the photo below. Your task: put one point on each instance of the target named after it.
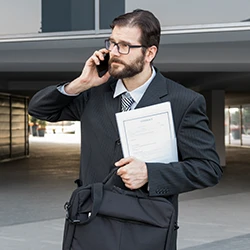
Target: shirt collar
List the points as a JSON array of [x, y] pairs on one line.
[[136, 93]]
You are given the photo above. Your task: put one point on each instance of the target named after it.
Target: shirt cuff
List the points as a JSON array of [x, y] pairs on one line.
[[62, 90]]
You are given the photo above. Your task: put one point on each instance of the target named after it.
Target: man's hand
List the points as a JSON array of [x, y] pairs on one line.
[[133, 172], [89, 77]]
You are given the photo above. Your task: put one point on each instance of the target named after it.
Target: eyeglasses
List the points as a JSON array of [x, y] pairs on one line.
[[122, 48]]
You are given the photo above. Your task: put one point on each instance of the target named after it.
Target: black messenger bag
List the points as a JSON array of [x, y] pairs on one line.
[[104, 217]]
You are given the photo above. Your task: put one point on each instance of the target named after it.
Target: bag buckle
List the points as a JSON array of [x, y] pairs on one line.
[[66, 207], [75, 221]]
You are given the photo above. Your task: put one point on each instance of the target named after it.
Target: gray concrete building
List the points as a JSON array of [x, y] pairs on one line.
[[204, 46]]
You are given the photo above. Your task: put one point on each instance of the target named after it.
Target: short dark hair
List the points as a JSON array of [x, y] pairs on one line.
[[145, 20]]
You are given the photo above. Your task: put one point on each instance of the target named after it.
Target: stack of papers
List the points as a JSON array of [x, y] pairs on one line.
[[148, 133]]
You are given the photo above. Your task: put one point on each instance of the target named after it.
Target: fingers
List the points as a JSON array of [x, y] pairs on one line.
[[98, 56], [123, 161], [132, 182], [123, 173], [89, 72], [128, 185], [133, 172], [123, 165]]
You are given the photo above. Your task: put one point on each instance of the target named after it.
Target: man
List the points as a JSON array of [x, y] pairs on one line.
[[94, 100]]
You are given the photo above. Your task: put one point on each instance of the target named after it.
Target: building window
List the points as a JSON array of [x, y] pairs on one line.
[[237, 125], [108, 13], [78, 15]]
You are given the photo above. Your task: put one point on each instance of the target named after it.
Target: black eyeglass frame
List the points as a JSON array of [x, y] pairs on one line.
[[107, 41]]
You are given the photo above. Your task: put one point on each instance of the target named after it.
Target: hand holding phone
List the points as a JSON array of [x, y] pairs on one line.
[[102, 68]]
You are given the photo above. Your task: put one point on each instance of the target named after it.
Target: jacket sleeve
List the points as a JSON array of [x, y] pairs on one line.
[[198, 165], [51, 105]]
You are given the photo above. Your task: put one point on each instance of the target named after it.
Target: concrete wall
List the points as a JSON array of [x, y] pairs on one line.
[[26, 15], [20, 17], [183, 12]]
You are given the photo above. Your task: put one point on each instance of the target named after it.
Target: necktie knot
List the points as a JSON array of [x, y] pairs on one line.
[[126, 102]]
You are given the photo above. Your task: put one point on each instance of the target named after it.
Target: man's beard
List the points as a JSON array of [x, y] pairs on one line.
[[128, 71]]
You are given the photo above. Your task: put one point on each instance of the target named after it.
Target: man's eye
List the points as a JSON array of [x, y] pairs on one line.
[[124, 45]]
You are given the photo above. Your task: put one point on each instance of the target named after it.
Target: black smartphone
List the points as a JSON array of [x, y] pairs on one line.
[[102, 68]]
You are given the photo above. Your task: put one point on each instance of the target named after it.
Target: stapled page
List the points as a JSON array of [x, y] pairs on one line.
[[148, 133]]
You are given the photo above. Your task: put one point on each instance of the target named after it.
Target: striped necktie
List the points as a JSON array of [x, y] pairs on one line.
[[126, 102]]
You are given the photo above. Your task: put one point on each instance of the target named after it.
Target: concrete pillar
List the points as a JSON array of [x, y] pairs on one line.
[[215, 100]]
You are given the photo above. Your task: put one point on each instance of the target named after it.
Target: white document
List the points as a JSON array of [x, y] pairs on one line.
[[148, 133]]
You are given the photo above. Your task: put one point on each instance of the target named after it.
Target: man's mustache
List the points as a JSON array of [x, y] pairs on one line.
[[116, 60]]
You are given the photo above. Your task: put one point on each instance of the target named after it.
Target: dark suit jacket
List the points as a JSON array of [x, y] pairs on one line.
[[198, 165]]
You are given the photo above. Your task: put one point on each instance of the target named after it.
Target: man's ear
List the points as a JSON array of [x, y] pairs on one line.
[[151, 53]]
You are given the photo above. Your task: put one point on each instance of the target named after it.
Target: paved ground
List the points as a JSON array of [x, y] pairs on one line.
[[34, 190]]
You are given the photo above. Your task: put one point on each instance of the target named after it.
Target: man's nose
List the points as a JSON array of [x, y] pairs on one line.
[[114, 50]]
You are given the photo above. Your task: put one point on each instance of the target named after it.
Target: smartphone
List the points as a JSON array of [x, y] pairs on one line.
[[103, 67]]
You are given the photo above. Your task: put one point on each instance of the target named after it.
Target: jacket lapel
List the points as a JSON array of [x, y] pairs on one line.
[[155, 92], [112, 105]]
